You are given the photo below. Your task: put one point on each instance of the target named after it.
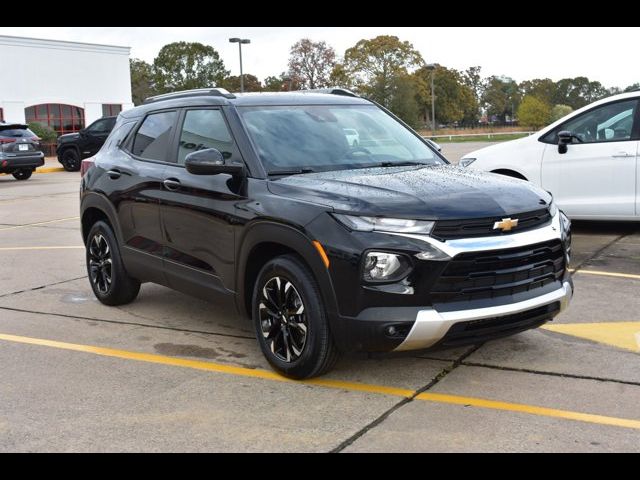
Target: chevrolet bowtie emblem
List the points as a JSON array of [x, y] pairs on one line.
[[506, 224]]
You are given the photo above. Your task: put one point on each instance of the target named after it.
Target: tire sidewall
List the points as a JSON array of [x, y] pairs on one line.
[[22, 174], [70, 160], [317, 324], [116, 263]]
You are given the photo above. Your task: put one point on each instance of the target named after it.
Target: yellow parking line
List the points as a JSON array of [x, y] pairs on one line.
[[610, 274], [352, 386], [530, 409], [15, 227], [55, 247]]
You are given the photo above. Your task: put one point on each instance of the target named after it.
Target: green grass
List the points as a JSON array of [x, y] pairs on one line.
[[483, 138]]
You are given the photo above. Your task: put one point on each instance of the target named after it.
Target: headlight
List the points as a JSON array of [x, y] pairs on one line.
[[553, 210], [465, 162], [385, 267], [393, 225]]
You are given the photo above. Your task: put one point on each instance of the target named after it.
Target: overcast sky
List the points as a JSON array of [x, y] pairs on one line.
[[600, 53]]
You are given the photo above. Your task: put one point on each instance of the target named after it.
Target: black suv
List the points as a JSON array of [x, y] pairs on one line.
[[262, 200], [73, 147]]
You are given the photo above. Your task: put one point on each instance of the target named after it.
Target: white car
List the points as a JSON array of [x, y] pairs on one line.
[[589, 160], [353, 137]]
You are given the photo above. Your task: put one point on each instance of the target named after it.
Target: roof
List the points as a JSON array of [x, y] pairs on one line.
[[62, 45], [253, 99]]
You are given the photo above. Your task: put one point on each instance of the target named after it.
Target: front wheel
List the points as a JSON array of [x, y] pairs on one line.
[[290, 319], [109, 280], [22, 174]]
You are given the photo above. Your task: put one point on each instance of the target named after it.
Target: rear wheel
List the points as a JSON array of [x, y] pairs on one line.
[[290, 319], [70, 160], [109, 280], [22, 174]]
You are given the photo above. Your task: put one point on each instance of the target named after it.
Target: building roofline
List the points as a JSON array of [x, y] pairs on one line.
[[63, 45]]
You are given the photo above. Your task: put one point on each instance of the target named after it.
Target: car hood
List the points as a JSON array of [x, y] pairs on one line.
[[68, 137], [500, 147], [443, 192]]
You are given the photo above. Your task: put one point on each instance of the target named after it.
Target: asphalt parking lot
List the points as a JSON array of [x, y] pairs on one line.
[[171, 373]]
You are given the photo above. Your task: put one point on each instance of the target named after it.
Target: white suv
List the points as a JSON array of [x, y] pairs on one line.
[[589, 160]]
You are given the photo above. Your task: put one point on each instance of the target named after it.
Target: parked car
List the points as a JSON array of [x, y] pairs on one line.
[[353, 137], [259, 199], [588, 159], [73, 147], [20, 152]]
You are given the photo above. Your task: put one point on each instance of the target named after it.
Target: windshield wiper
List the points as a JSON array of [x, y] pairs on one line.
[[293, 171], [400, 164]]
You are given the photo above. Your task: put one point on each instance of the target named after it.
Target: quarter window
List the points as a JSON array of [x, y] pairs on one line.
[[154, 135], [204, 129]]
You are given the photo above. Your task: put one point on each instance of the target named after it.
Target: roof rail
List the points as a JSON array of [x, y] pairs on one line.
[[332, 91], [198, 92]]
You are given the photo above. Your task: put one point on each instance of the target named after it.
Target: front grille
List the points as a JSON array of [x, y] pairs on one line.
[[477, 331], [496, 273], [482, 227]]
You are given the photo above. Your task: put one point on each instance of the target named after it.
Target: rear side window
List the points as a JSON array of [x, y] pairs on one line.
[[119, 134], [16, 132], [154, 135]]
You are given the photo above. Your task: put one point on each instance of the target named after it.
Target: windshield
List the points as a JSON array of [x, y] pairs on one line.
[[305, 138], [16, 132]]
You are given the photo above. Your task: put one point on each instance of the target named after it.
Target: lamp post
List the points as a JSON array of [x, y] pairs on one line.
[[240, 41], [432, 67]]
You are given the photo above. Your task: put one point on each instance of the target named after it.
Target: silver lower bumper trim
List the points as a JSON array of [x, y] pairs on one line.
[[431, 325]]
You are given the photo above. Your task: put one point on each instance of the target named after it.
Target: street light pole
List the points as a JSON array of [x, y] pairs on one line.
[[240, 41], [432, 67]]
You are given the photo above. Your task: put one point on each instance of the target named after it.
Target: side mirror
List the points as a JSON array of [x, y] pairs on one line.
[[565, 137], [210, 162]]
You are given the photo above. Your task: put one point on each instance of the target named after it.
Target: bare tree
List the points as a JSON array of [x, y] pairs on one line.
[[311, 63]]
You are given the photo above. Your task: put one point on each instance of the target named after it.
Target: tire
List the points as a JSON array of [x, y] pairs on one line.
[[70, 160], [22, 174], [108, 278], [280, 341]]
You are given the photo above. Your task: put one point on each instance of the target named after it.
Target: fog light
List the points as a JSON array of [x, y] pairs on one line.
[[385, 267]]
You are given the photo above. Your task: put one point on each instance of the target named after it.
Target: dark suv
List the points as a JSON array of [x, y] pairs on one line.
[[73, 147], [20, 152], [262, 200]]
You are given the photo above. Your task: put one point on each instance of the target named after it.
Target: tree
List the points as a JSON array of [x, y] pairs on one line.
[[43, 132], [142, 85], [373, 66], [454, 100], [501, 97], [533, 112], [251, 83], [578, 92], [633, 88], [403, 99], [471, 78], [183, 66], [311, 63], [282, 83], [542, 88], [559, 111]]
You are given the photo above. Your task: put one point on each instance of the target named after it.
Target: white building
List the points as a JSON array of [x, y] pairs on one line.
[[66, 85]]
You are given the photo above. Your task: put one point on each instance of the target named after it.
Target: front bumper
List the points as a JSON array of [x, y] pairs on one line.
[[12, 163], [431, 326]]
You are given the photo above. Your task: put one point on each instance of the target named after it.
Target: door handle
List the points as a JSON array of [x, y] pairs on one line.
[[171, 184], [622, 155], [114, 174]]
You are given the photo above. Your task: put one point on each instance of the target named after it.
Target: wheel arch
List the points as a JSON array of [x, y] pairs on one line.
[[96, 207], [265, 240]]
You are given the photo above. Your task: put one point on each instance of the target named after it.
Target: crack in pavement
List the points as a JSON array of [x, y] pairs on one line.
[[598, 252], [381, 418], [124, 322], [551, 374], [40, 287]]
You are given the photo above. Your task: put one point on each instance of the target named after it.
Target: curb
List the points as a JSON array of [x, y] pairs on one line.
[[49, 170]]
